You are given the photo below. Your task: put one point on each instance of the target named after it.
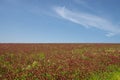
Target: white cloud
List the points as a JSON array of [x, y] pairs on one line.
[[88, 20], [84, 4]]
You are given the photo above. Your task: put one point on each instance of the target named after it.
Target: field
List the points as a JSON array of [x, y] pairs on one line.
[[59, 61]]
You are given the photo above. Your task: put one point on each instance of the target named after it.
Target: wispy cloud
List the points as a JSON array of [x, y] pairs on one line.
[[84, 4], [88, 20]]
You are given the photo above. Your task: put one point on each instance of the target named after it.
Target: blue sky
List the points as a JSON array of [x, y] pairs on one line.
[[59, 21]]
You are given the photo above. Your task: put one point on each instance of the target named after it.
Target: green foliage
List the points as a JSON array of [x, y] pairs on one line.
[[76, 75], [29, 67], [94, 76], [48, 76], [2, 57], [112, 73], [35, 64], [41, 56], [3, 70], [113, 68], [64, 73], [80, 51], [109, 50]]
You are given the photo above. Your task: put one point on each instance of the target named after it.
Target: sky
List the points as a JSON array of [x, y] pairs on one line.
[[59, 21]]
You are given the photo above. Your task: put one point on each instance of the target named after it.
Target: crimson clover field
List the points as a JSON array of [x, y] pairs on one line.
[[59, 61]]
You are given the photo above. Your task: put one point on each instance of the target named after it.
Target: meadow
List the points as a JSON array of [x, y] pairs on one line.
[[59, 61]]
